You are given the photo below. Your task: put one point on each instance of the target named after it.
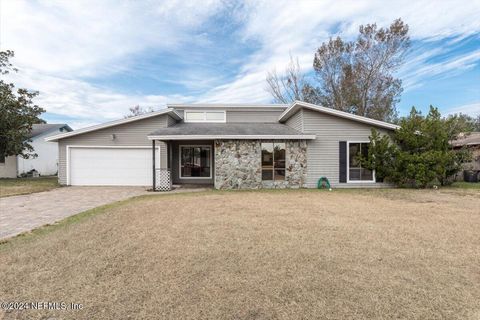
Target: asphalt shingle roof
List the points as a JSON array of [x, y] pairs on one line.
[[237, 128], [41, 128]]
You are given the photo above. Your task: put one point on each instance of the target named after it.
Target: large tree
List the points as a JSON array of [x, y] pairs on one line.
[[18, 113], [352, 76]]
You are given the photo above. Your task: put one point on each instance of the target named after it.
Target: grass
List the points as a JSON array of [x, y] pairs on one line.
[[283, 254], [466, 185], [18, 186]]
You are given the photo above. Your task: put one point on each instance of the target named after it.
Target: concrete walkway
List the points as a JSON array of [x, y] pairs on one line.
[[26, 212]]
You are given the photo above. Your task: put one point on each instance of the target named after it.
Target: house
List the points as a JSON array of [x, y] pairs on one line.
[[46, 163], [470, 141], [227, 146]]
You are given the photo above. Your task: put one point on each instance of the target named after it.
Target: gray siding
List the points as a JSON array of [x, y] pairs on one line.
[[253, 116], [175, 166], [323, 152], [129, 134], [296, 121]]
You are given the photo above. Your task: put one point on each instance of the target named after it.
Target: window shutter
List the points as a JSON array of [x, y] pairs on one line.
[[343, 162]]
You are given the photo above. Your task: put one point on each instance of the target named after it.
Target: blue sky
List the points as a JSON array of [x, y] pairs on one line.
[[92, 60]]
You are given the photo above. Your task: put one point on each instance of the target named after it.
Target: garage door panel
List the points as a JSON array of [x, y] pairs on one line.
[[111, 166]]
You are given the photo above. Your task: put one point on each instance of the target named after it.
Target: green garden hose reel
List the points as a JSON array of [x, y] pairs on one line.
[[324, 183]]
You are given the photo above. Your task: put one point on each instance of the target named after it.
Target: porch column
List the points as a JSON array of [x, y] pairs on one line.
[[170, 156], [153, 165]]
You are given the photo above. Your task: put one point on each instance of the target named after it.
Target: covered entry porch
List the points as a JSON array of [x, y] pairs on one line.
[[230, 155], [184, 162]]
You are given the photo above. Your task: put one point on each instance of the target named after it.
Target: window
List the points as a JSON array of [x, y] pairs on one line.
[[355, 170], [195, 162], [2, 158], [215, 116], [194, 116], [205, 116], [273, 161]]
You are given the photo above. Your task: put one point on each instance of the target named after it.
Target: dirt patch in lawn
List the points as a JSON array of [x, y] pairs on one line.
[[258, 255], [14, 187]]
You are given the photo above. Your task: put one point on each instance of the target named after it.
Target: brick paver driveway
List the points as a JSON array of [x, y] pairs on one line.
[[26, 212]]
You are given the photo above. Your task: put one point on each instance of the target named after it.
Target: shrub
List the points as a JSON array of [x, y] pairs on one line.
[[418, 154]]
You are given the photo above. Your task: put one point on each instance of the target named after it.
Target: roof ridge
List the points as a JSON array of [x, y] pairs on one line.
[[288, 113], [176, 105], [114, 123]]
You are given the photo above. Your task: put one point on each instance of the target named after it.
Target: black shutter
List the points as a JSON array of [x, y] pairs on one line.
[[343, 162]]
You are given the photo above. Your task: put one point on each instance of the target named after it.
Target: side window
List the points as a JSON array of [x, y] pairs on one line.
[[273, 161], [267, 161], [355, 170], [279, 161]]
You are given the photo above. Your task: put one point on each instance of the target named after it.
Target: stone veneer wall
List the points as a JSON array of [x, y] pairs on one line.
[[238, 165]]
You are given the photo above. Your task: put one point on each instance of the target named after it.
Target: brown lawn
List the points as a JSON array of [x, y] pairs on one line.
[[411, 254], [14, 187]]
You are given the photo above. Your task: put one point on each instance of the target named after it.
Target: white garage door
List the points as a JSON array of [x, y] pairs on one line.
[[111, 166]]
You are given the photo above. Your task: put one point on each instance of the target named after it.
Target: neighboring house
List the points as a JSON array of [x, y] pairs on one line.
[[227, 146], [47, 161], [472, 142]]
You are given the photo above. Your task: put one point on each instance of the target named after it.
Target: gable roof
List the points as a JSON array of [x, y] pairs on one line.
[[41, 128], [232, 130], [168, 111], [297, 105]]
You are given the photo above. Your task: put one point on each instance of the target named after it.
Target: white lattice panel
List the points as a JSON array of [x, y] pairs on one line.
[[163, 180]]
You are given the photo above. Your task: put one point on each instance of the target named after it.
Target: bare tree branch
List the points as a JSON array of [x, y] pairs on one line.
[[289, 86], [354, 76], [137, 110]]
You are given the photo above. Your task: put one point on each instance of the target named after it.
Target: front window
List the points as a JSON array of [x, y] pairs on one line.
[[356, 172], [273, 161], [195, 162]]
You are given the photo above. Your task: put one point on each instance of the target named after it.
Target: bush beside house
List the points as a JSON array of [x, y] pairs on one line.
[[419, 153]]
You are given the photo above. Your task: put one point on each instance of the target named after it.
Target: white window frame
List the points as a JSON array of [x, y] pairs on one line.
[[205, 116], [348, 165], [180, 160]]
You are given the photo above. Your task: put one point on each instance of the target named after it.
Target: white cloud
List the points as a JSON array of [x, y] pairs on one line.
[[59, 45], [472, 109], [87, 104], [417, 69], [89, 37], [62, 45], [298, 27]]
